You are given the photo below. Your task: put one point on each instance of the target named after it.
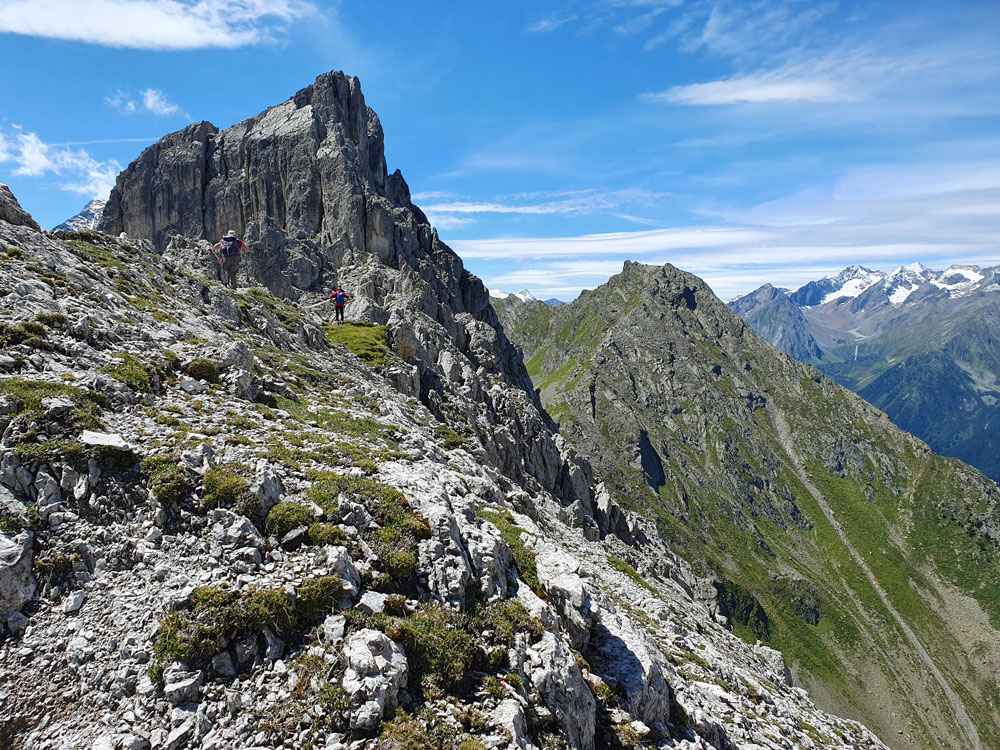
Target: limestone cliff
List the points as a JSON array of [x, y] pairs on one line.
[[305, 184]]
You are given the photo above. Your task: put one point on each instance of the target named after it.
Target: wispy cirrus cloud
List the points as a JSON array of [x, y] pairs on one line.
[[154, 24], [549, 24], [79, 172], [881, 216]]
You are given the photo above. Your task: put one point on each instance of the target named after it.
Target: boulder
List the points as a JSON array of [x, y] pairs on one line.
[[376, 672], [17, 580]]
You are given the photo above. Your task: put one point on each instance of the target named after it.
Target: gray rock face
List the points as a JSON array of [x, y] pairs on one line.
[[305, 184], [17, 582], [11, 211]]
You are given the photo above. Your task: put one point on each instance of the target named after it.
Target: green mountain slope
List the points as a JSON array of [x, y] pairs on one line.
[[871, 562]]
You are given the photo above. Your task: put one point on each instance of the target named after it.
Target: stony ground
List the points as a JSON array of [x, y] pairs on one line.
[[227, 527]]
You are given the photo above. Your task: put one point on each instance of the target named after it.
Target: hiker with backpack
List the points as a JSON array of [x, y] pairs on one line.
[[229, 248], [340, 299]]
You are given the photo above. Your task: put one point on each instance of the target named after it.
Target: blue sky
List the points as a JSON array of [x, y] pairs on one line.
[[772, 140]]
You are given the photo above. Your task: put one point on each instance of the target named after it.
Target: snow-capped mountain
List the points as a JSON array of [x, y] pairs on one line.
[[905, 280], [850, 282], [525, 296], [909, 341], [88, 218]]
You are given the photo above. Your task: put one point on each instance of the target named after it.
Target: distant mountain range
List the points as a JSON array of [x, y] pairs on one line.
[[525, 296], [920, 344], [87, 219]]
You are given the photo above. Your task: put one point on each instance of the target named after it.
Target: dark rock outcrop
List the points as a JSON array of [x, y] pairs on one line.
[[12, 213]]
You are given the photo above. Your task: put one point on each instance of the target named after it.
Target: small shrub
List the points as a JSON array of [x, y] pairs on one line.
[[52, 320], [327, 533], [165, 478], [28, 395], [10, 524], [203, 369], [449, 437], [214, 614], [131, 371], [33, 329], [445, 647], [14, 252], [287, 516], [238, 440], [400, 528], [224, 487]]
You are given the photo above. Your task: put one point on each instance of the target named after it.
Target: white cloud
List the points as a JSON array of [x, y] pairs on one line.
[[879, 216], [81, 173], [446, 221], [756, 89], [549, 24], [578, 202], [122, 103], [155, 101], [153, 24]]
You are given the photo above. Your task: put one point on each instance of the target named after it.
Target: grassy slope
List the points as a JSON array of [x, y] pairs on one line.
[[911, 515]]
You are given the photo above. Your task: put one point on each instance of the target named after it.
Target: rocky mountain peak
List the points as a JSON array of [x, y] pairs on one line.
[[88, 218]]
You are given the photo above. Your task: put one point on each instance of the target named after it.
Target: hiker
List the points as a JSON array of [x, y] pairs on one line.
[[229, 247], [340, 299]]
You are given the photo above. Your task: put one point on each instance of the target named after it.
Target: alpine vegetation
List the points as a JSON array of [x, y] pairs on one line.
[[229, 521]]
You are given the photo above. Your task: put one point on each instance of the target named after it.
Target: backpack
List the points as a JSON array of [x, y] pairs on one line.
[[340, 298], [230, 247]]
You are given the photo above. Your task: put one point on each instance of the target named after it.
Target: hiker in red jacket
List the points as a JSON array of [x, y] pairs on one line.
[[340, 299]]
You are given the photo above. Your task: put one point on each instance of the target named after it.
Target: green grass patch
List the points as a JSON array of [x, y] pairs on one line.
[[401, 529], [524, 558], [287, 516], [203, 369], [131, 371], [623, 567], [225, 487], [165, 478], [215, 616], [367, 341]]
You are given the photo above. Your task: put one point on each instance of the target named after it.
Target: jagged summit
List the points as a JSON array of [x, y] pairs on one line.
[[88, 218]]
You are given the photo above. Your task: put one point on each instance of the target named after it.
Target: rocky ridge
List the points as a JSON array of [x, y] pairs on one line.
[[228, 525], [832, 535]]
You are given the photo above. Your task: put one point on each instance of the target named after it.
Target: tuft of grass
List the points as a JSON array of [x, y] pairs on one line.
[[524, 558], [369, 342], [446, 648], [51, 320], [287, 516], [327, 533], [215, 615], [224, 487], [131, 371], [165, 478], [623, 567], [28, 395], [400, 528], [449, 437]]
